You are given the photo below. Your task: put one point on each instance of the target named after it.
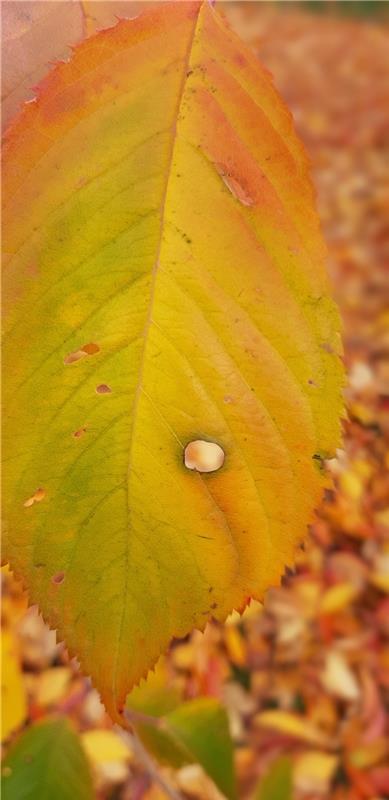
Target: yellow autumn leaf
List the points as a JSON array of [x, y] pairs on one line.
[[235, 645], [104, 746], [13, 694], [367, 755], [292, 725], [338, 678], [313, 772], [338, 597], [164, 285], [52, 685]]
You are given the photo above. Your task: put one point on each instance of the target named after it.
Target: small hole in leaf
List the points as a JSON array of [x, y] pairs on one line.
[[103, 388], [37, 497], [203, 456], [79, 433], [58, 578], [89, 349]]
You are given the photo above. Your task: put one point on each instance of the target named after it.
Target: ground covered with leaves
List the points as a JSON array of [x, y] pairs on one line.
[[307, 674]]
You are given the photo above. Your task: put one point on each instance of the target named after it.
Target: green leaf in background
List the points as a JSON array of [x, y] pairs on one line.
[[47, 763], [154, 698], [277, 783], [201, 726], [195, 731]]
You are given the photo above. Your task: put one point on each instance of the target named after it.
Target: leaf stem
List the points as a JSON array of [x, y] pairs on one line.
[[140, 752], [139, 718]]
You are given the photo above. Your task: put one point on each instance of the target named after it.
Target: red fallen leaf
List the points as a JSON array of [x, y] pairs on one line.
[[379, 777], [372, 710], [382, 615], [361, 782]]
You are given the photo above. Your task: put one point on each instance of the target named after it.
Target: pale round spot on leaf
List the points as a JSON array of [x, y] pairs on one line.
[[203, 456]]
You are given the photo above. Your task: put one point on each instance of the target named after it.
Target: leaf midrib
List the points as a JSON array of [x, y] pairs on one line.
[[154, 276]]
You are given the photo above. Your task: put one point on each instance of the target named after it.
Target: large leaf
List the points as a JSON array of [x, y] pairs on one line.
[[165, 283], [47, 762]]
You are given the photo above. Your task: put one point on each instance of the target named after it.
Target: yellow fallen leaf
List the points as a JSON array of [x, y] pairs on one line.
[[14, 601], [111, 772], [323, 713], [382, 517], [51, 685], [369, 754], [308, 593], [380, 581], [360, 376], [291, 631], [183, 656], [351, 484], [362, 413], [195, 782], [236, 645], [313, 772], [380, 575], [338, 678], [292, 725], [13, 696], [104, 746], [363, 468], [337, 598]]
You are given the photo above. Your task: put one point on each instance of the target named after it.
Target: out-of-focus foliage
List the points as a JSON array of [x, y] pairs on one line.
[[277, 783], [14, 705], [318, 651], [182, 732], [47, 761], [350, 8]]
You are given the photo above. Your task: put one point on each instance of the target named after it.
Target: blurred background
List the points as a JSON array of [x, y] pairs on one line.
[[305, 677]]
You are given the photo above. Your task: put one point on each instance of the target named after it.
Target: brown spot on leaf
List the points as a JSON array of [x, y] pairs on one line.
[[235, 186], [89, 349], [79, 433], [37, 497], [58, 578]]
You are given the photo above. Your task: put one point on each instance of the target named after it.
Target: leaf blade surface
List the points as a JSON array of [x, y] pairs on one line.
[[147, 220], [47, 761]]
